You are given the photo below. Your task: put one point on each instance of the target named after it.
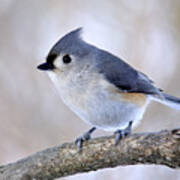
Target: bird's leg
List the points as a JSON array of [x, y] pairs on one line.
[[119, 134], [85, 137]]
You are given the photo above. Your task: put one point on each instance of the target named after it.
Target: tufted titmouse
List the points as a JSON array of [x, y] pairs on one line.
[[99, 87]]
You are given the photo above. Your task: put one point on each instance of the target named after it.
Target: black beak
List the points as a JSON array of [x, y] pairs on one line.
[[45, 66]]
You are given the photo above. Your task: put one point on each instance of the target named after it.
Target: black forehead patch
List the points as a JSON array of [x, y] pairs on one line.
[[51, 57]]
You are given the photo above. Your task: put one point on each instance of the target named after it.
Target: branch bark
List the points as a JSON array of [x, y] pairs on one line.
[[162, 148]]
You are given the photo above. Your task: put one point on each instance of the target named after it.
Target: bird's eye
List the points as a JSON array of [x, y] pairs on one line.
[[66, 59]]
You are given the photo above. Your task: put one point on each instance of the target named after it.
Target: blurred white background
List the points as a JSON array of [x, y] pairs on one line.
[[144, 33]]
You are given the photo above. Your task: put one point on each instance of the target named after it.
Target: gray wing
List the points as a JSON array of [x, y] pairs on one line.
[[123, 76]]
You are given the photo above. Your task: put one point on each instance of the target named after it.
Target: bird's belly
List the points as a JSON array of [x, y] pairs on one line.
[[105, 112], [111, 116], [101, 104]]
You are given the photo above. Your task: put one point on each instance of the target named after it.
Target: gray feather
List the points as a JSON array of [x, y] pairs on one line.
[[172, 98], [71, 43], [122, 75], [171, 101]]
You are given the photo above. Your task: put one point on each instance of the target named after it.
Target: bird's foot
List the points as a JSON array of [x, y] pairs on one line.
[[85, 137], [120, 134]]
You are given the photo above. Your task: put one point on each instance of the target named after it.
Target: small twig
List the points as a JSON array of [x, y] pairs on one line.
[[148, 148]]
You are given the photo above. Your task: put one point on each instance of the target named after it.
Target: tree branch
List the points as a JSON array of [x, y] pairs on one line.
[[148, 148]]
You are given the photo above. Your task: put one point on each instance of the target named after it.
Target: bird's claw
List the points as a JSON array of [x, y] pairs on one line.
[[85, 137], [120, 134], [79, 141]]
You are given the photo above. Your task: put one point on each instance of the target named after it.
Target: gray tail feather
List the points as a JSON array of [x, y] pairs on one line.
[[169, 100]]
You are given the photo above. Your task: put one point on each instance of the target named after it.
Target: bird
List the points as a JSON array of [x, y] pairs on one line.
[[100, 88]]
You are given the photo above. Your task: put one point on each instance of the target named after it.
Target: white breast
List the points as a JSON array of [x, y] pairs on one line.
[[91, 100]]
